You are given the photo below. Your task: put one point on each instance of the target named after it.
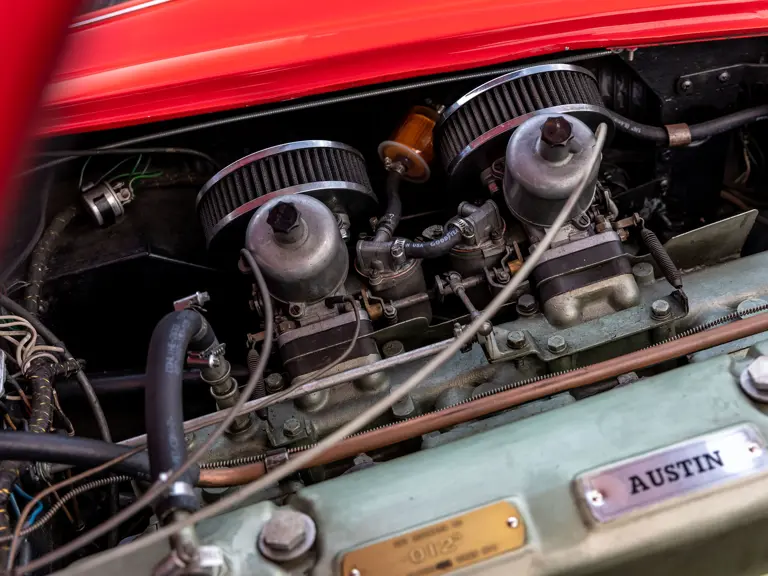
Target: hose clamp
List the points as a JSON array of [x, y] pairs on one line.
[[209, 357], [465, 227], [398, 251], [679, 134]]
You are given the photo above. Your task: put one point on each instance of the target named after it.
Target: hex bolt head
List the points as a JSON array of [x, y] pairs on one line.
[[686, 85], [274, 382], [292, 427], [283, 217], [556, 344], [516, 339], [758, 372], [660, 309], [287, 535], [556, 131], [526, 305]]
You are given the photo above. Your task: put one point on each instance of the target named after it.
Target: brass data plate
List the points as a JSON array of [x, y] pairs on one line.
[[442, 547]]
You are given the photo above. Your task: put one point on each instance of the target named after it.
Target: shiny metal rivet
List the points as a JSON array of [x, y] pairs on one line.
[[595, 497], [686, 85], [660, 309], [513, 522], [724, 77], [355, 572], [556, 344]]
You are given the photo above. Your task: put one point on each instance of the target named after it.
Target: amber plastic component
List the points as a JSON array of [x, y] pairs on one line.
[[412, 144]]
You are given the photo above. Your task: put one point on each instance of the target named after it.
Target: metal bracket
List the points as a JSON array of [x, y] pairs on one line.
[[196, 301], [723, 77]]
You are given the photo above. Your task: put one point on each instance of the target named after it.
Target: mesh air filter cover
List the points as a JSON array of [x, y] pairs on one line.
[[473, 132], [329, 171]]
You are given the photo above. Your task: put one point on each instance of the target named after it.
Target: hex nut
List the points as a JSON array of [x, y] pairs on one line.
[[660, 309], [758, 372], [287, 535], [516, 339], [556, 131], [283, 217], [556, 344]]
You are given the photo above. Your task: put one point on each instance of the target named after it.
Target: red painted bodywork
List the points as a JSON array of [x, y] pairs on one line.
[[188, 57]]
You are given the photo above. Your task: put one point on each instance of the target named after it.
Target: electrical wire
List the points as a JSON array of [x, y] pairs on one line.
[[34, 525], [14, 539], [351, 427], [24, 254], [298, 107], [159, 487], [132, 151]]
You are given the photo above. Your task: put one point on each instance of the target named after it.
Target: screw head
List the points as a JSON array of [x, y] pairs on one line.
[[526, 304], [556, 131], [595, 497], [292, 427], [758, 372], [556, 344], [660, 309], [686, 85], [516, 339], [392, 348], [283, 217], [724, 77]]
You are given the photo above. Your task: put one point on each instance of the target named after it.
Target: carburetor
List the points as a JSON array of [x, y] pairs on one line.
[[586, 273]]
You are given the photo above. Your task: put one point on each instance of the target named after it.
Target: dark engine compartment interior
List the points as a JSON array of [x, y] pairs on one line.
[[105, 285]]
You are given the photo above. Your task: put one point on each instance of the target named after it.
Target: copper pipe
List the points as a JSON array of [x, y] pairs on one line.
[[599, 372]]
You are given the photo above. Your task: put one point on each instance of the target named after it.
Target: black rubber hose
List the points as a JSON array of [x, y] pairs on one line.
[[435, 248], [642, 131], [38, 264], [698, 131], [176, 333], [74, 451], [729, 122], [391, 218]]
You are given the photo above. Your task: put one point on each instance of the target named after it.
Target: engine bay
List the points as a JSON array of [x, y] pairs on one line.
[[578, 227]]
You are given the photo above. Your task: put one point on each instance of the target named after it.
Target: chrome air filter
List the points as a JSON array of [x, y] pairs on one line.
[[474, 131], [329, 171]]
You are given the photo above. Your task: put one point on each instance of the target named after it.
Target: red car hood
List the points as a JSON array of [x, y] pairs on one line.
[[160, 59]]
